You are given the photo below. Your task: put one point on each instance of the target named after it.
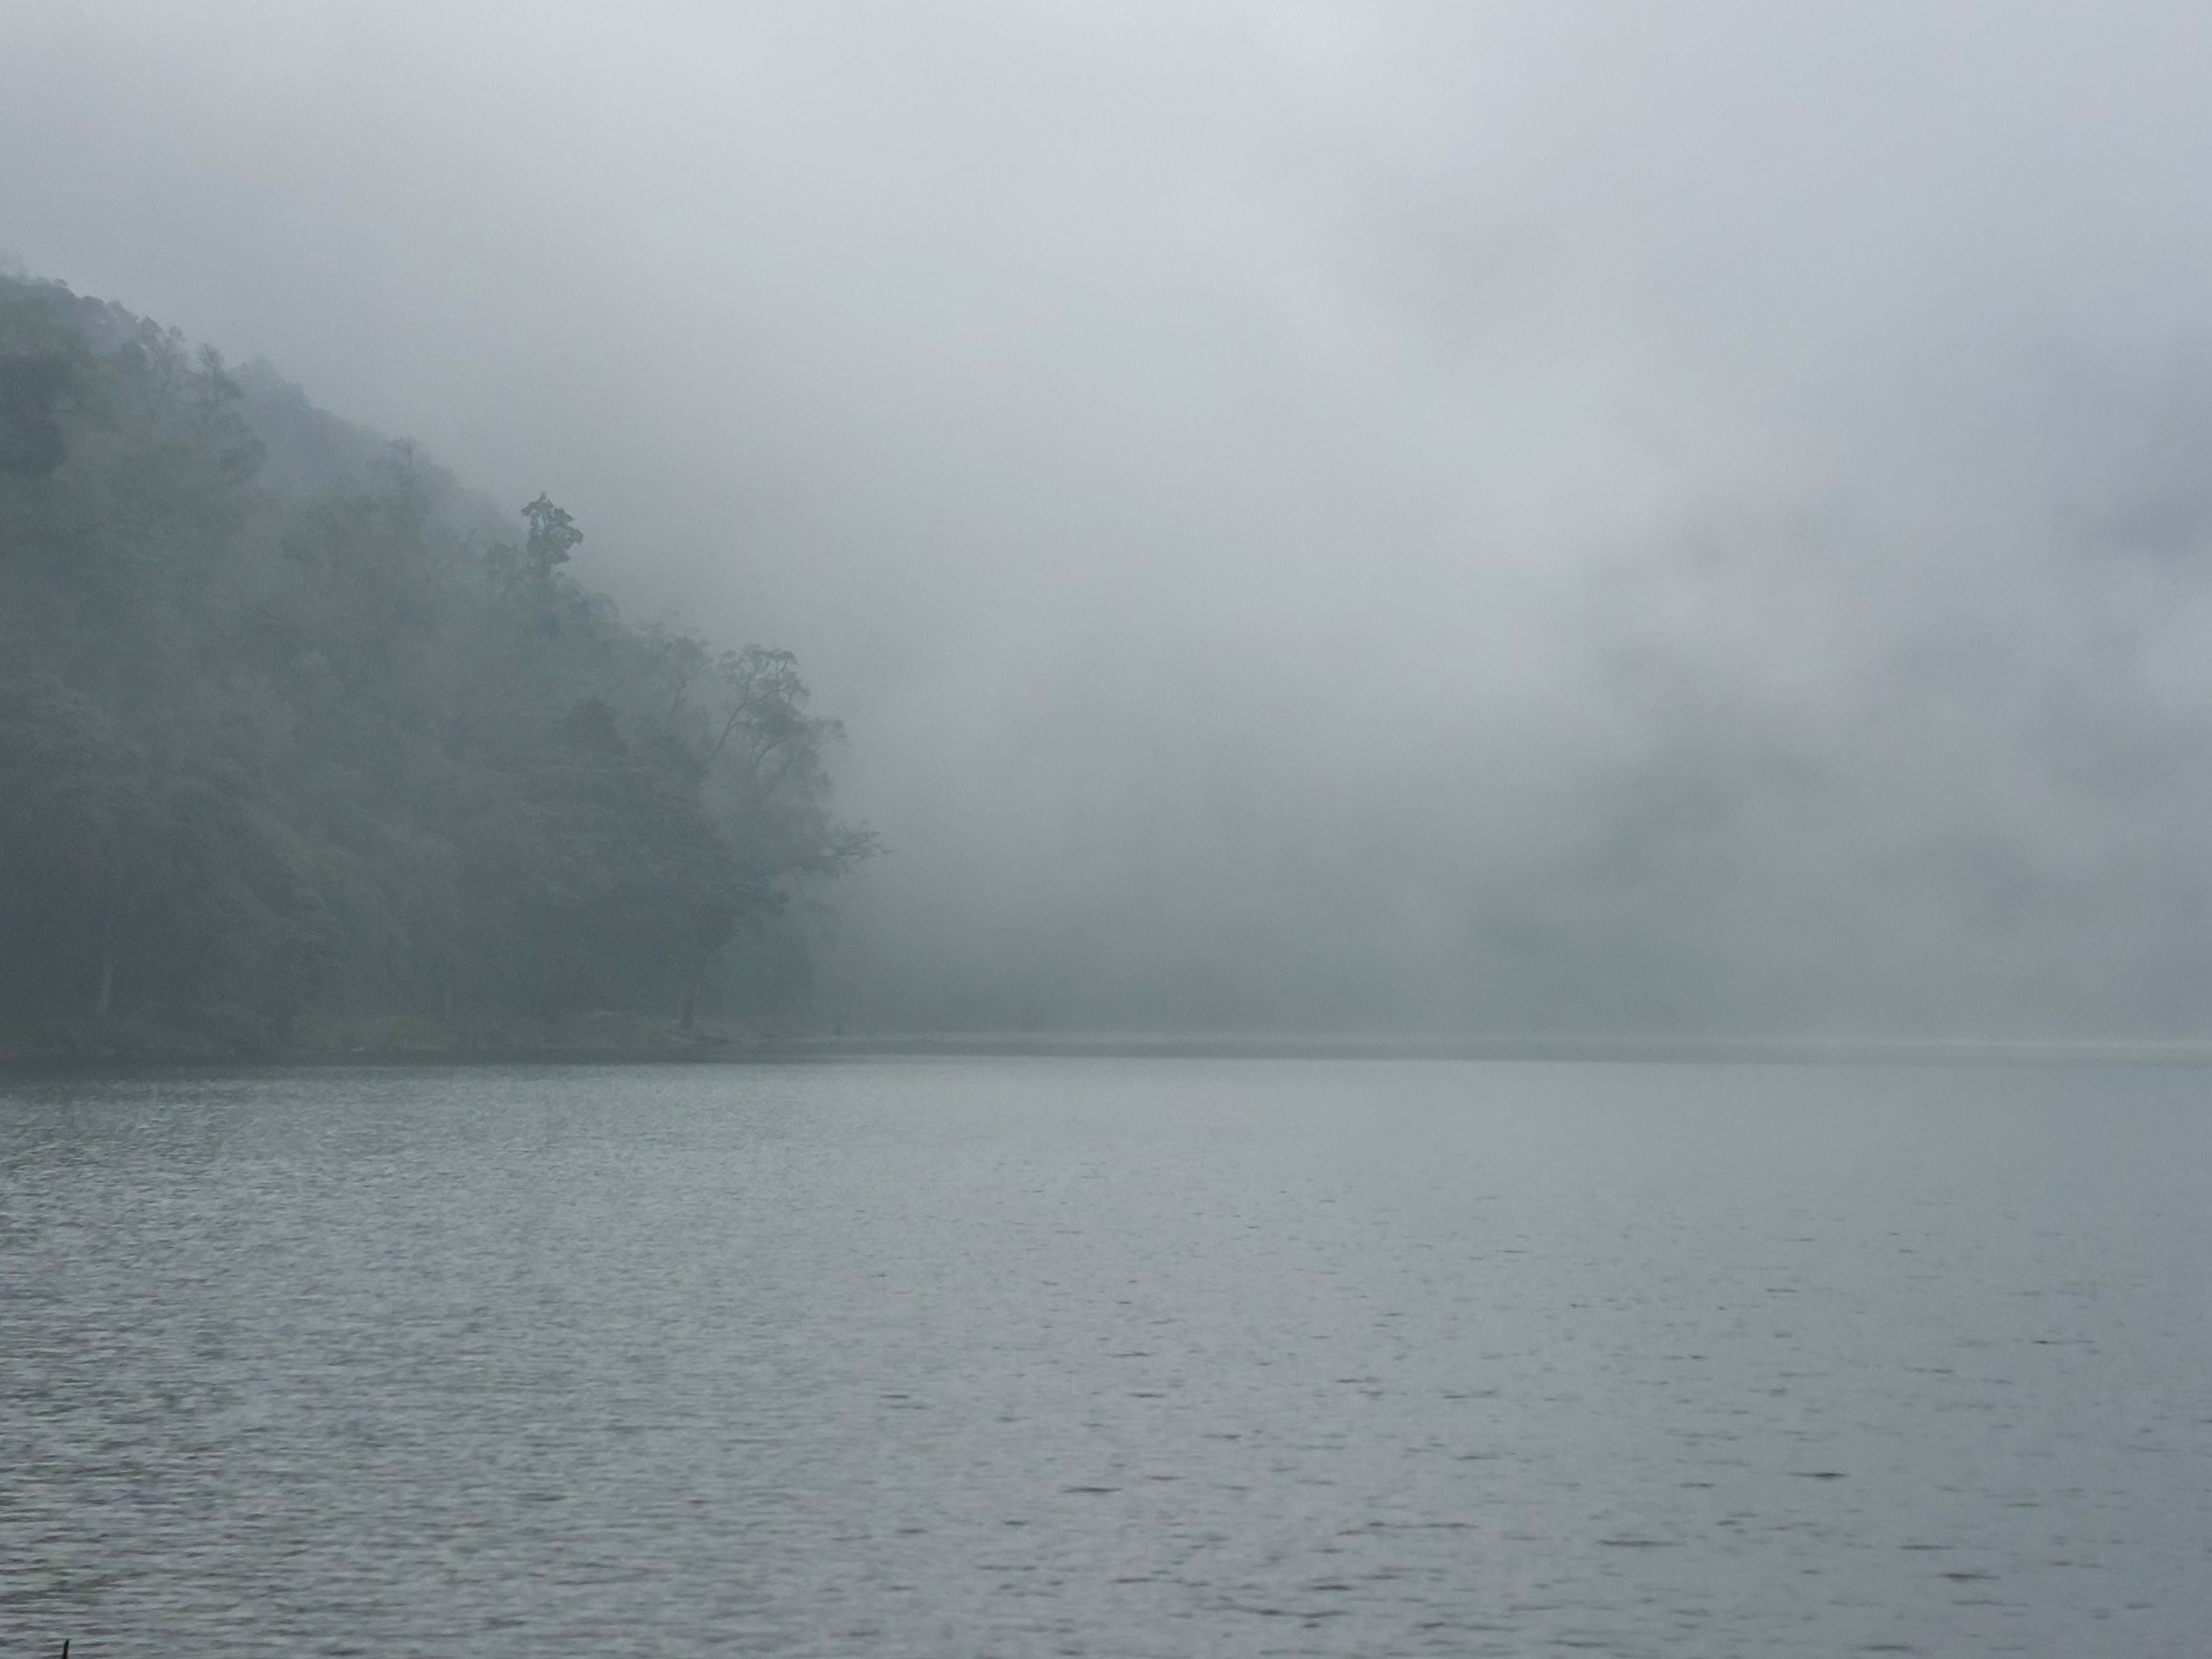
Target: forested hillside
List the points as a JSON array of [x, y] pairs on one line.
[[299, 743]]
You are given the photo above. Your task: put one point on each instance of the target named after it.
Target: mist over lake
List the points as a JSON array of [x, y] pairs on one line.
[[1116, 1357], [1134, 827], [1448, 517]]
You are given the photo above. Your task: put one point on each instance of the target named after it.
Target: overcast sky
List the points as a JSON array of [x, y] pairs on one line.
[[1558, 516]]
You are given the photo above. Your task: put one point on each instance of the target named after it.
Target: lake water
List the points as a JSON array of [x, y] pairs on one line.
[[1108, 1357]]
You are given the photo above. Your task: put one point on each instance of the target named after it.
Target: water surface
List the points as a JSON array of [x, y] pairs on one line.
[[967, 1357]]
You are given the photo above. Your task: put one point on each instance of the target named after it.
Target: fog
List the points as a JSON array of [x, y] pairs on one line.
[[1542, 518]]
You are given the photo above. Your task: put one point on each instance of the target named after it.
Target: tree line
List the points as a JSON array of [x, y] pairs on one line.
[[292, 728]]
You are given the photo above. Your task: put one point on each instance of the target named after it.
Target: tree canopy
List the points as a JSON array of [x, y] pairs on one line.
[[313, 738]]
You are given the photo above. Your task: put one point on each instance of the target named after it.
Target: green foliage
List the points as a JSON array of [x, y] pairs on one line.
[[324, 747]]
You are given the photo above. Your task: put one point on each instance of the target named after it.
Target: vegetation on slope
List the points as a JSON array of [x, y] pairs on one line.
[[295, 737]]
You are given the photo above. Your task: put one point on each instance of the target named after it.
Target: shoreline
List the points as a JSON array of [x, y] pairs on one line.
[[140, 1048]]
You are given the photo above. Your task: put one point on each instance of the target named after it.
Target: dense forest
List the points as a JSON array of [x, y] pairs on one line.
[[300, 744]]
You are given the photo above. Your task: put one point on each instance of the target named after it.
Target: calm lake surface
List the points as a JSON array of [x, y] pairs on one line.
[[1108, 1357]]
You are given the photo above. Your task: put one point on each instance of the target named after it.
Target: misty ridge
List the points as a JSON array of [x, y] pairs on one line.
[[1469, 521], [298, 742], [302, 740]]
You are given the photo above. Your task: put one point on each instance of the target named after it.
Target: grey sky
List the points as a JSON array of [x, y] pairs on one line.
[[1558, 514]]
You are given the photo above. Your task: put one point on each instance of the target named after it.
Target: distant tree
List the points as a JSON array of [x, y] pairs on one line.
[[766, 765], [553, 538]]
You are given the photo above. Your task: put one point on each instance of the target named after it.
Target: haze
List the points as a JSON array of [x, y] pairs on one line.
[[1544, 517]]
